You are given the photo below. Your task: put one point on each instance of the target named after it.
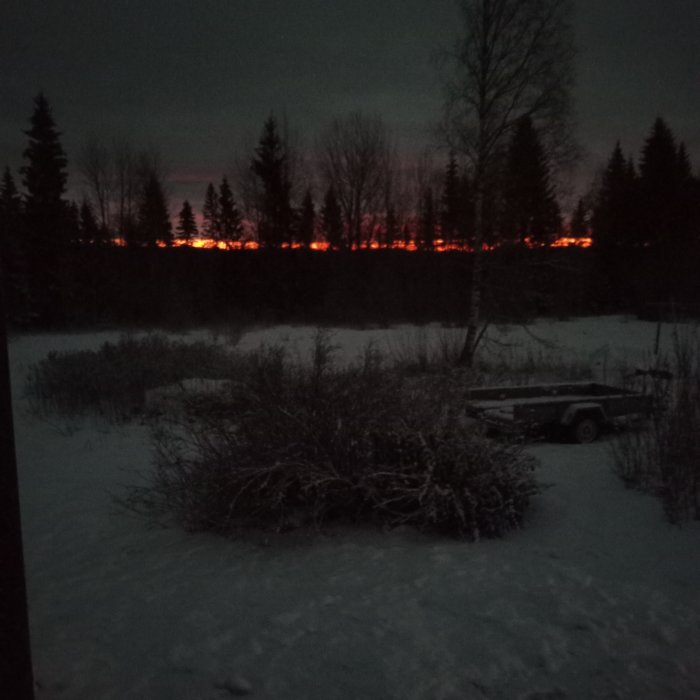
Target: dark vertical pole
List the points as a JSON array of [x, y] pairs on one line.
[[16, 678]]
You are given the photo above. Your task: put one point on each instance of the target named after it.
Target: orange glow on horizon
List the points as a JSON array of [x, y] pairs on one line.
[[572, 242], [439, 245]]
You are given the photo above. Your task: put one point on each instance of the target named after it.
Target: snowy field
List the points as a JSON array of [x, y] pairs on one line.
[[597, 597]]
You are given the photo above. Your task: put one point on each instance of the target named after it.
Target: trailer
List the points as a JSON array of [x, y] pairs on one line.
[[578, 410]]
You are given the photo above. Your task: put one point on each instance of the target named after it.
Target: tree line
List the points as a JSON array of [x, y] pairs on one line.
[[652, 202], [367, 194], [508, 130]]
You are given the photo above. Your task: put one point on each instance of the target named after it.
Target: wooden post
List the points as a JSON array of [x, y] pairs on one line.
[[16, 677]]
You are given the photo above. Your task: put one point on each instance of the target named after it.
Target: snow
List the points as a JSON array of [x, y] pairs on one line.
[[597, 597]]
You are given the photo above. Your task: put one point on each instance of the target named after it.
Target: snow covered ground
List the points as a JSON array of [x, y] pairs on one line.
[[598, 597]]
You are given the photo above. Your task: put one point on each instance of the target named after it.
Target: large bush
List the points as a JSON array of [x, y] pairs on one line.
[[291, 442], [665, 458]]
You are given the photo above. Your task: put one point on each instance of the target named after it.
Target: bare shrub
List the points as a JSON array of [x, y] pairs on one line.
[[665, 459], [461, 484], [290, 443], [113, 380]]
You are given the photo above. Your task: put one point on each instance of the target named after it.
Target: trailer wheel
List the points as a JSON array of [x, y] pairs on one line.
[[585, 430]]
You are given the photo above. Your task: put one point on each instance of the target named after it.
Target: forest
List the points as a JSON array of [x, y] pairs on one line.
[[630, 245]]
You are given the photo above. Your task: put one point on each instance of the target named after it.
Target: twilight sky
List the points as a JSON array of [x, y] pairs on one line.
[[196, 76]]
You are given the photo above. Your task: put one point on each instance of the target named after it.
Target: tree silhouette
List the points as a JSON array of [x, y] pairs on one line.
[[230, 221], [45, 180], [356, 160], [615, 220], [307, 220], [186, 225], [530, 209], [514, 59], [88, 227], [271, 167], [579, 225], [664, 181], [211, 225], [332, 219], [47, 220], [153, 222]]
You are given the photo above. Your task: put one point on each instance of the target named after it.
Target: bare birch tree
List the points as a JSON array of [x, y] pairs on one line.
[[96, 166], [514, 59], [356, 156]]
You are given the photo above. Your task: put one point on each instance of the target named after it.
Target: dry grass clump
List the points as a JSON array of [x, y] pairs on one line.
[[666, 458], [113, 380]]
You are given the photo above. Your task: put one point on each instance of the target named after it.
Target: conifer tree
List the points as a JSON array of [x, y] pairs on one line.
[[530, 211], [230, 221], [211, 226], [307, 220], [47, 223], [579, 225], [154, 225], [44, 178], [391, 226], [271, 168], [332, 219], [664, 171], [186, 225], [615, 215], [88, 226]]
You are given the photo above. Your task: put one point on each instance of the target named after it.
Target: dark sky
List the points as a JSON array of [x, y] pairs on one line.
[[195, 76]]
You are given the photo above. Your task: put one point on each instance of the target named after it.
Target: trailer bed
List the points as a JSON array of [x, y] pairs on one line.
[[581, 407]]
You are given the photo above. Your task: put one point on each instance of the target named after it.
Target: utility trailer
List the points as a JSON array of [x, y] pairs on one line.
[[578, 410]]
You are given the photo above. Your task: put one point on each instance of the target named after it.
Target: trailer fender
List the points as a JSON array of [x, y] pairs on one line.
[[577, 411], [584, 420]]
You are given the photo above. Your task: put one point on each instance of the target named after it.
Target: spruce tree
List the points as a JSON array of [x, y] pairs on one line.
[[270, 167], [47, 223], [153, 226], [211, 226], [44, 178], [663, 175], [230, 221], [579, 225], [332, 219], [307, 220], [186, 226], [615, 220], [530, 209], [88, 226]]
